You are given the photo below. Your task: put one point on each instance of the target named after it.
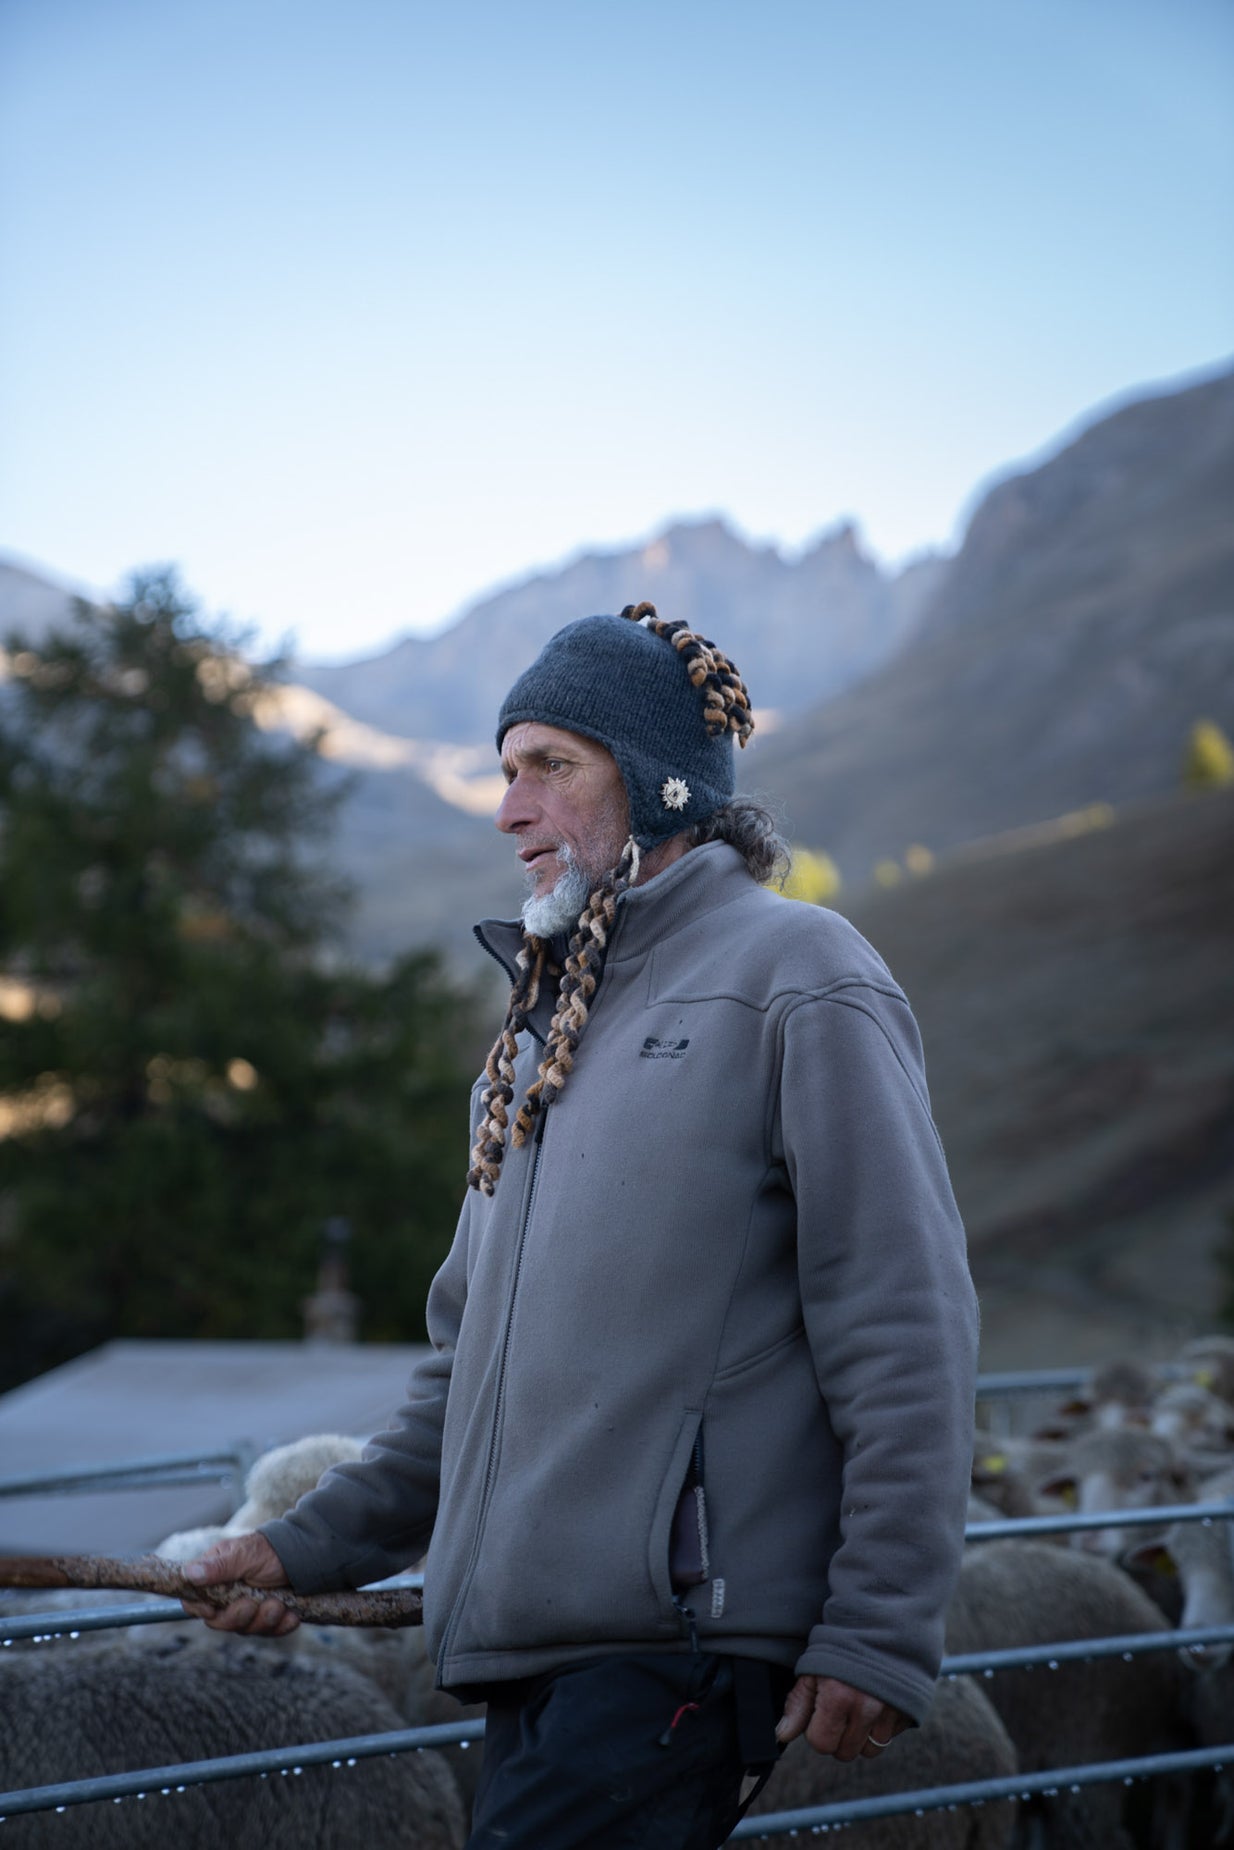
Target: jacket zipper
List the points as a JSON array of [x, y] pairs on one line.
[[490, 1469]]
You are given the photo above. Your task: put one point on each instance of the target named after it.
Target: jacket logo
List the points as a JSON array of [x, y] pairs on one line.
[[653, 1049]]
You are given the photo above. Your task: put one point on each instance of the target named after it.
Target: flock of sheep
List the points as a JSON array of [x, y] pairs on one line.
[[1137, 1438]]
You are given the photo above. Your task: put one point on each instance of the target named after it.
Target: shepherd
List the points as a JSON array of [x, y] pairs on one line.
[[690, 1452]]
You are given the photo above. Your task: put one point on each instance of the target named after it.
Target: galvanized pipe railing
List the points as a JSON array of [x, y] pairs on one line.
[[1154, 1516], [177, 1468], [169, 1780], [1049, 1783]]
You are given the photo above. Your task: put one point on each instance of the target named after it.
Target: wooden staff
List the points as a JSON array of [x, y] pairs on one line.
[[389, 1606]]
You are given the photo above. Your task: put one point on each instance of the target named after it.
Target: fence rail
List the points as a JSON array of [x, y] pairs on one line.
[[179, 1468], [231, 1463], [982, 1792], [168, 1781], [1154, 1516]]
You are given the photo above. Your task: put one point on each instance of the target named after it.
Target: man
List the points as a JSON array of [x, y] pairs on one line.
[[694, 1439]]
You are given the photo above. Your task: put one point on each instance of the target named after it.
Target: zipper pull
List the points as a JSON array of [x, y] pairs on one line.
[[686, 1615], [687, 1708]]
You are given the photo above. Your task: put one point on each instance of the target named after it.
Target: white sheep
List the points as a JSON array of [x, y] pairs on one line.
[[961, 1739], [1019, 1593], [1201, 1554], [1118, 1393], [1197, 1422], [1209, 1362], [395, 1661], [275, 1483], [69, 1717], [1118, 1469], [1009, 1472]]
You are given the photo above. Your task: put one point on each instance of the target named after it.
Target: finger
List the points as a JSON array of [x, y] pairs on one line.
[[830, 1718], [236, 1617], [798, 1708], [844, 1723], [883, 1730]]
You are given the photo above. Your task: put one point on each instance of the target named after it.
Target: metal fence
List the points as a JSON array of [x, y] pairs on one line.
[[340, 1755], [227, 1466]]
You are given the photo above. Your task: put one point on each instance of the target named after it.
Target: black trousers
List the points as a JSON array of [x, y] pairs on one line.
[[647, 1750]]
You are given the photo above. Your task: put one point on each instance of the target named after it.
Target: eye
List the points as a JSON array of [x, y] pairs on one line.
[[553, 764]]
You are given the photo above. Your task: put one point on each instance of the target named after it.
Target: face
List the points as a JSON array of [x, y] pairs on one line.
[[565, 803]]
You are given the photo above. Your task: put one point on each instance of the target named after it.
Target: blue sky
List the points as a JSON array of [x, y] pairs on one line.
[[356, 311]]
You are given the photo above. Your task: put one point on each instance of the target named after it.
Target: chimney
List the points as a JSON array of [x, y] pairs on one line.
[[330, 1314]]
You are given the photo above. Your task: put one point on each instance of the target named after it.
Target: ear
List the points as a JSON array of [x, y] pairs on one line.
[[1063, 1485], [1153, 1557]]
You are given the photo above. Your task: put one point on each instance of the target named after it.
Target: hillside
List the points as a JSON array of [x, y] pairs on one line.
[[1059, 659], [1076, 1000], [800, 629], [1086, 622]]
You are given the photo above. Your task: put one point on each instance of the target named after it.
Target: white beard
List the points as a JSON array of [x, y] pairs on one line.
[[547, 914]]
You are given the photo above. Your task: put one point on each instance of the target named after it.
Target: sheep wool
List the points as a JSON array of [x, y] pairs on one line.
[[69, 1716]]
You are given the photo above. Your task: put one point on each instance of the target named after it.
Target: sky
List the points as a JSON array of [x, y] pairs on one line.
[[355, 312]]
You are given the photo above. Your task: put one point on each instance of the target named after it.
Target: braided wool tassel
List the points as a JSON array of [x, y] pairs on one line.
[[490, 1141], [578, 984], [579, 979], [726, 701]]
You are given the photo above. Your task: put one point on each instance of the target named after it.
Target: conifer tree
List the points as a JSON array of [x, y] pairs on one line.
[[193, 1076]]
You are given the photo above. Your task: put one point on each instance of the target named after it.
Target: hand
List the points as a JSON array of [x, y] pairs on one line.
[[838, 1719], [249, 1558]]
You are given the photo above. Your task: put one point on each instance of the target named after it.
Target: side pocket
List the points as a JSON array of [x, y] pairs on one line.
[[674, 1486], [689, 1558]]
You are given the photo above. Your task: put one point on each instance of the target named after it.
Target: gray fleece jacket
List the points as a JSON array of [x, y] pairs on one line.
[[736, 1222]]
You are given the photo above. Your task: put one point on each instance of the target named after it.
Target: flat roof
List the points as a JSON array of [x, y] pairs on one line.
[[130, 1401]]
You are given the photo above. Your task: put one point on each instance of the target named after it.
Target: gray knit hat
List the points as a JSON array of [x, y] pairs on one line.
[[663, 700]]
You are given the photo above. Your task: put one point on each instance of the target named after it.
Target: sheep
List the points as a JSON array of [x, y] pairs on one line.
[[961, 1739], [1197, 1422], [1119, 1393], [71, 1717], [394, 1660], [275, 1483], [1201, 1554], [1209, 1361], [1016, 1593], [1118, 1469], [1008, 1473]]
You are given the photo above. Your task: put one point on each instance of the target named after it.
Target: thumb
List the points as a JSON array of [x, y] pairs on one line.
[[798, 1708]]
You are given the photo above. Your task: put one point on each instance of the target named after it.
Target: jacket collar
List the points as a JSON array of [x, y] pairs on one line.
[[703, 879]]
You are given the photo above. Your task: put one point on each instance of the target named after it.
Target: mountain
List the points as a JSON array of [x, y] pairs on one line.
[[1074, 997], [1061, 658], [798, 629], [30, 602], [1057, 661]]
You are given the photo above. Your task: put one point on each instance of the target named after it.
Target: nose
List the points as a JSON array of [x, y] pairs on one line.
[[516, 810]]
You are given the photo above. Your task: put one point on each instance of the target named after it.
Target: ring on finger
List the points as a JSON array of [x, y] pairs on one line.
[[871, 1742]]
